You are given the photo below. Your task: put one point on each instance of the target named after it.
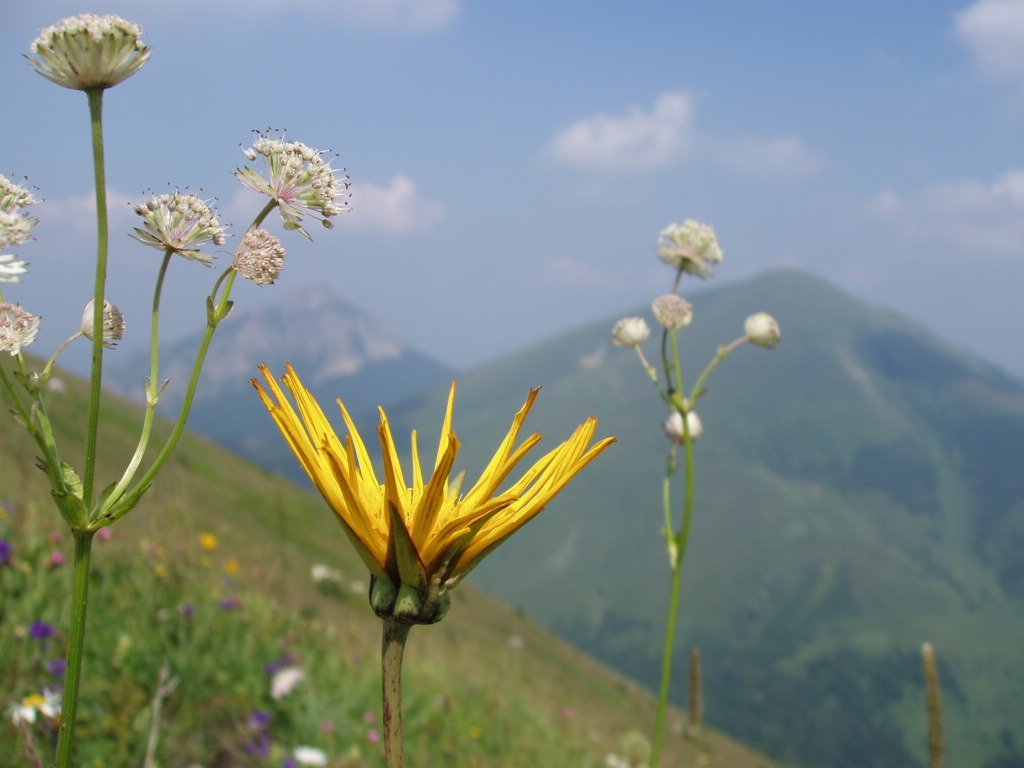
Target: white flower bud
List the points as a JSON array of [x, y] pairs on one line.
[[763, 330], [630, 332], [113, 323], [674, 426]]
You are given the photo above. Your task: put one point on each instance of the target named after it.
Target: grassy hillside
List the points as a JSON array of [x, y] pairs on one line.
[[486, 686], [859, 492]]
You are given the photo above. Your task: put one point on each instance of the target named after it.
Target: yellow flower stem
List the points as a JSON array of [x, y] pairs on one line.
[[152, 391], [95, 97], [392, 649], [76, 645]]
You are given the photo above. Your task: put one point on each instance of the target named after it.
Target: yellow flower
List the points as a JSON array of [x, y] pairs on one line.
[[232, 566], [208, 541], [426, 534]]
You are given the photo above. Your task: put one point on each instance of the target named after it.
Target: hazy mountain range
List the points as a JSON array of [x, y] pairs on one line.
[[337, 349], [859, 492]]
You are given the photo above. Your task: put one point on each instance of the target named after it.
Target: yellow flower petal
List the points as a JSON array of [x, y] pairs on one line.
[[426, 535]]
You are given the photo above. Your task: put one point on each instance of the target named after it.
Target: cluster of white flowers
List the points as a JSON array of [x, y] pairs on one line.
[[284, 681], [89, 52], [15, 227], [18, 328], [309, 756], [299, 180], [260, 257], [691, 247], [178, 223]]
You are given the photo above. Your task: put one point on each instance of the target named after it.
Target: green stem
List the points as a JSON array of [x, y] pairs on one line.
[[96, 117], [392, 650], [152, 391], [76, 645], [723, 352], [682, 540], [186, 406]]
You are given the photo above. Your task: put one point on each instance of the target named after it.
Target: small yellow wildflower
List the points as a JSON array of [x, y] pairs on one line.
[[208, 541]]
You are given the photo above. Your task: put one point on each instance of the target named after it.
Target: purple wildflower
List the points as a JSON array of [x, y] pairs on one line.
[[6, 552], [230, 603], [57, 667], [41, 630]]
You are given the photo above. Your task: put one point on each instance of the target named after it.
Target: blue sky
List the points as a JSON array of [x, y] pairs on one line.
[[512, 163]]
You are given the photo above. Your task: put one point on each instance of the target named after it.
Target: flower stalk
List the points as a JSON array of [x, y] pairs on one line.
[[691, 248], [76, 645], [395, 633]]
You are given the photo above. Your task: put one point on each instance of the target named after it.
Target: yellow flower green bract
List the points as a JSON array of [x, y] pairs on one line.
[[427, 531]]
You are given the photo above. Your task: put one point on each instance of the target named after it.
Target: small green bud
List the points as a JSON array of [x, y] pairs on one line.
[[408, 604], [444, 602], [382, 596]]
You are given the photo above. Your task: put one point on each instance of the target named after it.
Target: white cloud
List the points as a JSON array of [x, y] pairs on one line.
[[638, 139], [79, 213], [398, 207], [398, 15], [994, 32], [574, 272], [960, 217], [403, 16], [667, 134], [784, 157]]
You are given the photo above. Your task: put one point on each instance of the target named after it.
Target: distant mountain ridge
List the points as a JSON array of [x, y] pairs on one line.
[[338, 350]]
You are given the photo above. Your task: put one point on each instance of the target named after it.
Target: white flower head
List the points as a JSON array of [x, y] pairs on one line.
[[691, 247], [179, 223], [309, 756], [299, 179], [113, 323], [18, 328], [11, 269], [15, 227], [672, 311], [674, 429], [285, 681], [89, 52], [260, 257], [630, 332], [763, 330], [14, 195]]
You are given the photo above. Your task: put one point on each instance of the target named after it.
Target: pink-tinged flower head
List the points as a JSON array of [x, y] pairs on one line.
[[179, 223], [18, 328], [89, 52], [260, 257], [691, 247], [299, 179]]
